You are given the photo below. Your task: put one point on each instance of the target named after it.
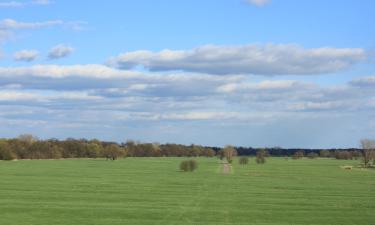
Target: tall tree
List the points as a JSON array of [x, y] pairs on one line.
[[112, 152], [368, 147], [229, 152]]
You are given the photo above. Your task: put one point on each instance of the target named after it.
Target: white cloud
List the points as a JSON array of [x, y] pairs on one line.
[[201, 115], [73, 95], [18, 4], [41, 2], [247, 59], [8, 25], [26, 55], [11, 24], [97, 71], [264, 85], [60, 51], [5, 35], [94, 71], [17, 96], [76, 25], [11, 86], [328, 105], [259, 3], [11, 4], [364, 81], [10, 95]]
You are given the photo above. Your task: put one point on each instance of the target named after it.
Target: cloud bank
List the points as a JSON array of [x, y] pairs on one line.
[[58, 97], [247, 59]]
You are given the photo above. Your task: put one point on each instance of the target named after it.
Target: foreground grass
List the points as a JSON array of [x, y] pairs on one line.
[[143, 191]]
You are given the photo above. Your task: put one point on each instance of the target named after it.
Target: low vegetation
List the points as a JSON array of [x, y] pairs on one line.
[[188, 165], [243, 160]]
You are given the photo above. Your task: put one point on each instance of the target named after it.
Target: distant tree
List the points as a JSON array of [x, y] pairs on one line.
[[112, 152], [243, 160], [298, 155], [19, 148], [188, 165], [6, 152], [324, 153], [93, 149], [29, 138], [195, 150], [343, 154], [55, 152], [356, 154], [209, 152], [221, 154], [368, 147], [261, 156], [312, 155], [229, 152]]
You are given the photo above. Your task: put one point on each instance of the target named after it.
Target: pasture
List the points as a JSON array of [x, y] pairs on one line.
[[145, 191]]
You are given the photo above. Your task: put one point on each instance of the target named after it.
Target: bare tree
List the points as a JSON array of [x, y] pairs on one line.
[[229, 152], [368, 147], [261, 156], [29, 138]]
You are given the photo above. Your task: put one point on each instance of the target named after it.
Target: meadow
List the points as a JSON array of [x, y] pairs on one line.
[[143, 191]]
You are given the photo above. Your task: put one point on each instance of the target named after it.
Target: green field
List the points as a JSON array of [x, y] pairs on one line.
[[142, 191]]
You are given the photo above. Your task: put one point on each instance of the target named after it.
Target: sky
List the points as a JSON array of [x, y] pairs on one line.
[[260, 73]]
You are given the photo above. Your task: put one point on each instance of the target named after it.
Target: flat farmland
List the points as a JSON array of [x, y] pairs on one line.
[[143, 191]]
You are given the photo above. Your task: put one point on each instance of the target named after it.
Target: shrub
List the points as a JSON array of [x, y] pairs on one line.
[[244, 160], [261, 156], [188, 165]]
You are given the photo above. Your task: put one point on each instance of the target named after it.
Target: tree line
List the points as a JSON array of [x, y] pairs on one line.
[[29, 147]]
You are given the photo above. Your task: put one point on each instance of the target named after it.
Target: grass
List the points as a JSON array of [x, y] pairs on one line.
[[143, 191]]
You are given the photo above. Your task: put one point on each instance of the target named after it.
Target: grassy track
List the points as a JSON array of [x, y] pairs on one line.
[[143, 191]]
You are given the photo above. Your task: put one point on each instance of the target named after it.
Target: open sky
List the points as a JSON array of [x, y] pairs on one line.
[[214, 72]]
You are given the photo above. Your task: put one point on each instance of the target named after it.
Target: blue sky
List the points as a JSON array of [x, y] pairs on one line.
[[241, 72]]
